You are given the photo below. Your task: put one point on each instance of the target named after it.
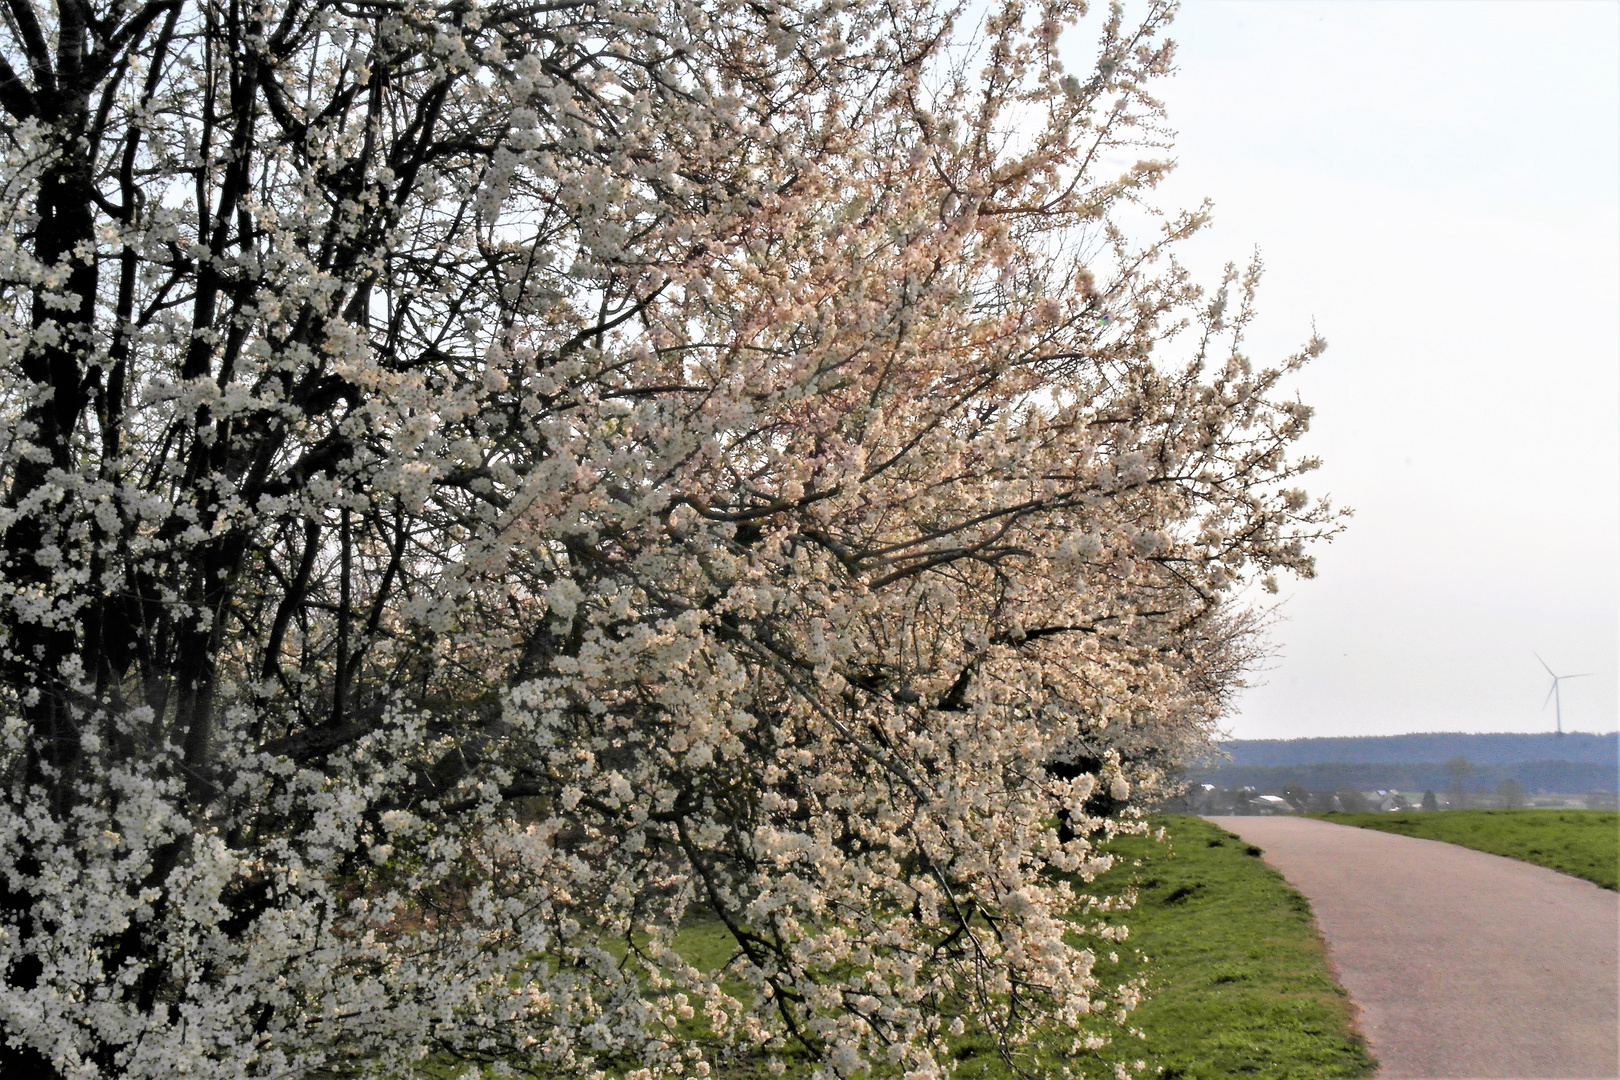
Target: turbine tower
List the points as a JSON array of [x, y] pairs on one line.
[[1554, 695]]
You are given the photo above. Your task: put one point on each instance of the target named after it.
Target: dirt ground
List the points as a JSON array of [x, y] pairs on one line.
[[1462, 965]]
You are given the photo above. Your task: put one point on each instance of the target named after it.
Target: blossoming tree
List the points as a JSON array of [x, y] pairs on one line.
[[486, 484]]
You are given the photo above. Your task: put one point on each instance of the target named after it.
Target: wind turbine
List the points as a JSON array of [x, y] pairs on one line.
[[1554, 695]]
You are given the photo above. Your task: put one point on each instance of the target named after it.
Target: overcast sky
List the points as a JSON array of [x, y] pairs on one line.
[[1437, 186]]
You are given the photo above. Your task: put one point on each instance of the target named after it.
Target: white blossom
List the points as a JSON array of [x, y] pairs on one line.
[[487, 485]]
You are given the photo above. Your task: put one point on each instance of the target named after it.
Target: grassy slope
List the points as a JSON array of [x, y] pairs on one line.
[[1585, 843], [1238, 982]]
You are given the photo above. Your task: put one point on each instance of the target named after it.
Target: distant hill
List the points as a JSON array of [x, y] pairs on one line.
[[1567, 777], [1493, 749]]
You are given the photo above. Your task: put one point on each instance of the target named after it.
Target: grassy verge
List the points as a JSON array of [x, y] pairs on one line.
[[1238, 982], [1585, 843], [1238, 985]]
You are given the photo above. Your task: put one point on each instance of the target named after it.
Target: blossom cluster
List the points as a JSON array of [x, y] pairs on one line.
[[489, 486]]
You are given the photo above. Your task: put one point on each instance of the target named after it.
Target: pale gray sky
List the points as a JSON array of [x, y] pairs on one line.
[[1437, 185]]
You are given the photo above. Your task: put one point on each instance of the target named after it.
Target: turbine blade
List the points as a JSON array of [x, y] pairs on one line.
[[1543, 664], [1582, 675], [1550, 694]]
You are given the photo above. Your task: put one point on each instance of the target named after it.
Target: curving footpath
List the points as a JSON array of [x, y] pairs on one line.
[[1462, 965]]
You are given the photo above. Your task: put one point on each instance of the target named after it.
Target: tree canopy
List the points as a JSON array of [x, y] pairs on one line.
[[485, 483]]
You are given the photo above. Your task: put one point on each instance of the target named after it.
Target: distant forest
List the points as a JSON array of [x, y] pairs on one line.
[[1571, 777], [1493, 749], [1575, 763]]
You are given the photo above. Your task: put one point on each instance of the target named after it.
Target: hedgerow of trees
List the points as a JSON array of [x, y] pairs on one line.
[[487, 483]]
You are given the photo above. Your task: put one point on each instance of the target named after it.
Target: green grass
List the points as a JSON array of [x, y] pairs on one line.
[[1584, 843], [1238, 982]]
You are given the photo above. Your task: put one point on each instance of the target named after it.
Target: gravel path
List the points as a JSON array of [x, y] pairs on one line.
[[1462, 965]]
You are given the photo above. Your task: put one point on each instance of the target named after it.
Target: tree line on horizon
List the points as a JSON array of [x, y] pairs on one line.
[[1493, 748], [1534, 776]]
